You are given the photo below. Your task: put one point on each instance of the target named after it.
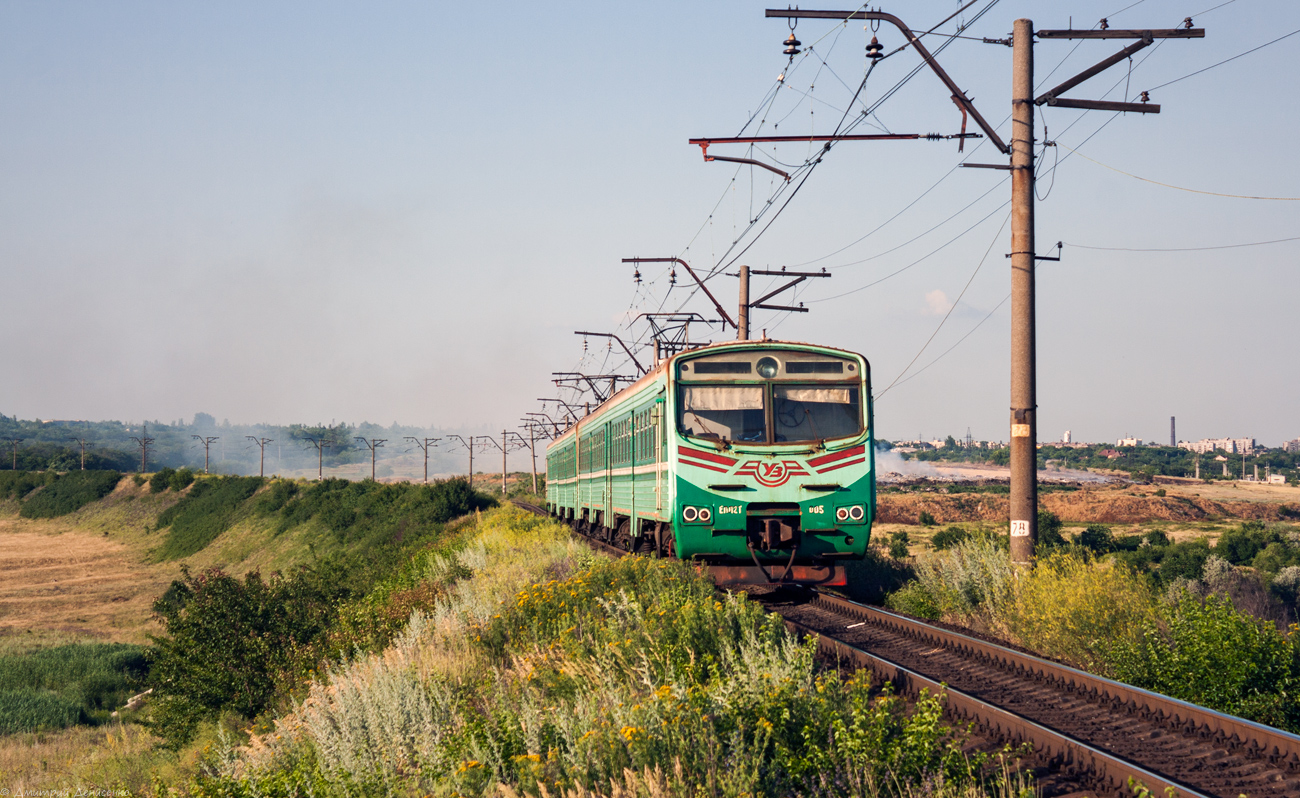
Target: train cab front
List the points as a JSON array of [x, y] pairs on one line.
[[772, 459]]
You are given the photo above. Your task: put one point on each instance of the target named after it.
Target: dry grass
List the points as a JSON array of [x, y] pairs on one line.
[[109, 757], [57, 586]]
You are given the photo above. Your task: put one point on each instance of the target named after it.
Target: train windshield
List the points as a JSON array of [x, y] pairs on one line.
[[739, 413], [724, 412], [815, 412]]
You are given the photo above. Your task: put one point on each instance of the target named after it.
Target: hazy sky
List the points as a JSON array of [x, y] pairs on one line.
[[401, 211]]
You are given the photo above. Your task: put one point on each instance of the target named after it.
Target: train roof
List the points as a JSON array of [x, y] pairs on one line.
[[663, 365]]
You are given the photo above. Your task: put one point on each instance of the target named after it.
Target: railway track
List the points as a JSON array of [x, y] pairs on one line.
[[1093, 735]]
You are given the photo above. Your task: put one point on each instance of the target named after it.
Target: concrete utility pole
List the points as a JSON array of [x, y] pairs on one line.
[[424, 443], [373, 445], [1024, 432], [468, 444], [14, 443], [144, 442], [84, 446], [321, 445], [207, 444], [742, 329], [261, 445], [532, 453]]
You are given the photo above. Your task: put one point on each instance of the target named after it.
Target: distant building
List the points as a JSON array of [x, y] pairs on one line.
[[1292, 446], [1066, 437], [1110, 453], [1276, 479], [1229, 445], [937, 444], [1129, 442]]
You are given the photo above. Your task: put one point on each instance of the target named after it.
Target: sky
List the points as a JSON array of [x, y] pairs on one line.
[[400, 212]]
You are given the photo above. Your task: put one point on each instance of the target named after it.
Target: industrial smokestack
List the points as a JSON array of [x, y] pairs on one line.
[[1173, 438]]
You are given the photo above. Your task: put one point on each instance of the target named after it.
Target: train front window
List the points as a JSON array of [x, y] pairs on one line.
[[723, 412], [815, 412]]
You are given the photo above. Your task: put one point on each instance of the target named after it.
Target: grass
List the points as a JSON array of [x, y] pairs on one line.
[[75, 683], [543, 667], [209, 509]]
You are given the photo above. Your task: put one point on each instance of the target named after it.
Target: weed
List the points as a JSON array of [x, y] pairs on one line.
[[67, 493]]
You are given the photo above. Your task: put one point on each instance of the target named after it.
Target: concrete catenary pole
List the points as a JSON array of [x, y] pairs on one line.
[[503, 463], [532, 453], [1024, 433], [742, 329]]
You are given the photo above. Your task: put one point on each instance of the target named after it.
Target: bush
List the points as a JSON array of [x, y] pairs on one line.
[[898, 543], [948, 537], [208, 510], [925, 519], [1184, 560], [1097, 538], [161, 479], [1049, 532], [30, 710], [69, 493], [17, 484], [1077, 610], [1208, 653], [228, 641], [180, 479], [969, 582]]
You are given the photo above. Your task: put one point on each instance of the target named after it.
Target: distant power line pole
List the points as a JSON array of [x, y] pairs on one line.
[[373, 445], [14, 443], [468, 444], [85, 444], [206, 442], [321, 445], [424, 443], [505, 446], [144, 442], [261, 445]]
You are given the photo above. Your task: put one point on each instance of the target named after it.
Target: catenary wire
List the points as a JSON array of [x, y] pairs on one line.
[[1180, 188], [955, 302], [1184, 249], [1224, 61]]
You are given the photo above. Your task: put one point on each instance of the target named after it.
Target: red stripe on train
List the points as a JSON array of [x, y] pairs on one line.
[[841, 465], [830, 458], [684, 461], [711, 457]]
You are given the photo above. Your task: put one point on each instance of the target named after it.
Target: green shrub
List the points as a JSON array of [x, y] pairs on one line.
[[898, 543], [1185, 560], [1097, 538], [208, 510], [69, 493], [1049, 532], [228, 641], [138, 479], [161, 479], [17, 484], [948, 537], [925, 519], [1209, 653], [180, 479], [282, 490], [914, 599]]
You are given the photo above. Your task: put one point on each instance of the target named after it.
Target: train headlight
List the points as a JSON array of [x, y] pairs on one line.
[[851, 514], [768, 367], [697, 515]]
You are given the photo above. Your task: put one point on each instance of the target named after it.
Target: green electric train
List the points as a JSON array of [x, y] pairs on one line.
[[753, 458]]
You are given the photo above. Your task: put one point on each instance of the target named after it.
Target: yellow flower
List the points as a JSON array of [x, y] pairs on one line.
[[630, 733]]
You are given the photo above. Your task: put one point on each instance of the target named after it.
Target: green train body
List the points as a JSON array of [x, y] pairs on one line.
[[753, 457]]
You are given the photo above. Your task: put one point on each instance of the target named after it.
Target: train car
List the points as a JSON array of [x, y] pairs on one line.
[[754, 458]]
